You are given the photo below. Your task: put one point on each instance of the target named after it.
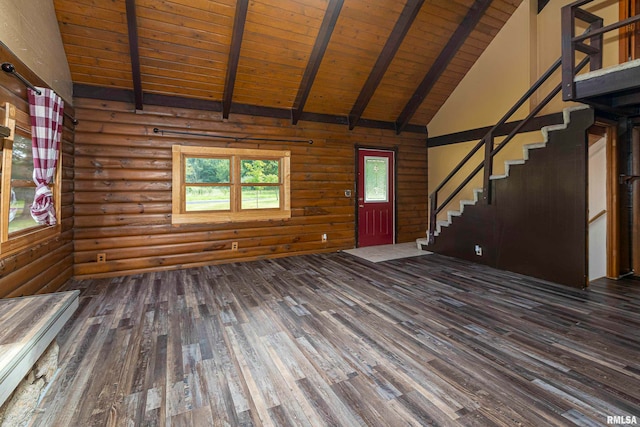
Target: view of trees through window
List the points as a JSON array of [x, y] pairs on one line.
[[209, 181], [22, 185]]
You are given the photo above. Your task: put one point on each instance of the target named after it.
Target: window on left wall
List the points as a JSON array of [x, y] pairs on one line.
[[18, 229]]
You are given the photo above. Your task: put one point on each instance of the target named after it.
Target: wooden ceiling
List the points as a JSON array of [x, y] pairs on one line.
[[382, 63]]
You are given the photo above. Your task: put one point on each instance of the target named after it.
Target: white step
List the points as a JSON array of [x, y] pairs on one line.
[[507, 165], [421, 241], [534, 146]]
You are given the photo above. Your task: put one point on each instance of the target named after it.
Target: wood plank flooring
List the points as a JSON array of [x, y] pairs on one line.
[[335, 340]]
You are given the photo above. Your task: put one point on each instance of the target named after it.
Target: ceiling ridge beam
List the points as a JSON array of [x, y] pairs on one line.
[[473, 16], [400, 30], [317, 53], [242, 6], [134, 52]]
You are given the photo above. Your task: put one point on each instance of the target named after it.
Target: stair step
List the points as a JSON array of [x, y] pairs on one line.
[[507, 165], [422, 241], [476, 194], [534, 146], [451, 213]]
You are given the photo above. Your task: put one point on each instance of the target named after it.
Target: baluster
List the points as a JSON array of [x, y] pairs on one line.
[[488, 167]]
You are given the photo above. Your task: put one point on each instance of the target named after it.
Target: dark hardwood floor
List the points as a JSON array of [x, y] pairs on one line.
[[335, 340]]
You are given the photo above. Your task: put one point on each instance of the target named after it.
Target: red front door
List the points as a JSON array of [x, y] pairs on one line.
[[376, 198]]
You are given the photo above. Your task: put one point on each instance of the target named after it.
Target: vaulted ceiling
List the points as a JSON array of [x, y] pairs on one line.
[[374, 63]]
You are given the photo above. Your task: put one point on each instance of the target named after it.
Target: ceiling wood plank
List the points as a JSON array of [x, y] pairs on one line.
[[446, 55], [319, 48], [134, 52], [234, 55], [408, 15]]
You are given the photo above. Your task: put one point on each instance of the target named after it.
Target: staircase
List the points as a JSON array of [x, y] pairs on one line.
[[532, 219], [536, 218], [526, 148]]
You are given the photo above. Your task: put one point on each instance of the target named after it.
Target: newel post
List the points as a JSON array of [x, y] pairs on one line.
[[488, 167]]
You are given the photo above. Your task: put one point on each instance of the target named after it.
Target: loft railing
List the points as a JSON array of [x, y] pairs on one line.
[[570, 44]]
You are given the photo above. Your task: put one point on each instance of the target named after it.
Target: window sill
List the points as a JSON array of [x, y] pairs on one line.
[[28, 239], [225, 217]]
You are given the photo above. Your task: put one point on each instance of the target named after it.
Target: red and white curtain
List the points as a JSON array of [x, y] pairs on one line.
[[46, 131]]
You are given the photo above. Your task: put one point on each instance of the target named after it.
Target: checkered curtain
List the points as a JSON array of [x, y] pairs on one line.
[[46, 130]]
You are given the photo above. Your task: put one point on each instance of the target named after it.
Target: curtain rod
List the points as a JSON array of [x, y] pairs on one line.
[[8, 68], [235, 138]]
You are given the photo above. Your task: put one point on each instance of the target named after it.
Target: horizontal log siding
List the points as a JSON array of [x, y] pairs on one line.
[[123, 189], [46, 266]]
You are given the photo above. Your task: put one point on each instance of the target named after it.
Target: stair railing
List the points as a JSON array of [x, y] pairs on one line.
[[594, 33]]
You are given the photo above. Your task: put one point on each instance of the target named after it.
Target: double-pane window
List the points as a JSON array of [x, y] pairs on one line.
[[224, 184]]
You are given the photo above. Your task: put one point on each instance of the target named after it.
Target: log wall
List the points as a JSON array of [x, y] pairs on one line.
[[123, 189], [46, 266]]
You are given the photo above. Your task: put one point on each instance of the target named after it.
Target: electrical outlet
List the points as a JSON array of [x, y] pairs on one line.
[[324, 237], [478, 250], [101, 257], [234, 246]]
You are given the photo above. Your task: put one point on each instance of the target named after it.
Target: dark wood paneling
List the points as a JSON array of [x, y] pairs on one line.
[[123, 188], [537, 222], [44, 267]]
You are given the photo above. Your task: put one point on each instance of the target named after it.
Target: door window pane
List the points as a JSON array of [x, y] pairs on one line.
[[203, 198], [200, 170], [376, 179], [260, 197]]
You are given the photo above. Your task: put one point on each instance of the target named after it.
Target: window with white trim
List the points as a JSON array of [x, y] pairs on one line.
[[227, 184]]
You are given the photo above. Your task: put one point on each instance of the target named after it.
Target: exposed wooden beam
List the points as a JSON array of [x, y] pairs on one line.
[[242, 6], [534, 124], [446, 55], [404, 22], [134, 52], [317, 53], [126, 95]]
